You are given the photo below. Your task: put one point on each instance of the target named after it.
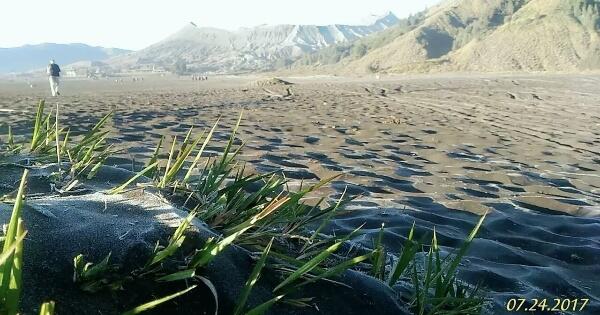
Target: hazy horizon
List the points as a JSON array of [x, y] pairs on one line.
[[70, 21]]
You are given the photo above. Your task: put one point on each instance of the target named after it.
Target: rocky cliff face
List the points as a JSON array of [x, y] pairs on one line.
[[248, 49]]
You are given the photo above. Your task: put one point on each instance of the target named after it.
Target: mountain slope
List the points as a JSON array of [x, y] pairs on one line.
[[348, 51], [489, 35], [31, 57], [248, 49], [554, 35]]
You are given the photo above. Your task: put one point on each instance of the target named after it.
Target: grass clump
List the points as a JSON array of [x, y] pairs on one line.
[[257, 212], [52, 144], [274, 221]]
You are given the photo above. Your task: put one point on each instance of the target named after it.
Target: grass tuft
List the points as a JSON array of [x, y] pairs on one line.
[[11, 259], [255, 211]]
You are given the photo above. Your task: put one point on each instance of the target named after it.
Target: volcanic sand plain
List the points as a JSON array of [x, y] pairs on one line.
[[437, 150]]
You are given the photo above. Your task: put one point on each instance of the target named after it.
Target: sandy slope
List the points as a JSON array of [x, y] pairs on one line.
[[494, 35]]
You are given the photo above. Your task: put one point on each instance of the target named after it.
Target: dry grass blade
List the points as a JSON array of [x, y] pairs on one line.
[[268, 210], [213, 291]]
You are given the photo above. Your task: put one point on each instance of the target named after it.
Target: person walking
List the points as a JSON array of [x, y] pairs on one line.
[[53, 76]]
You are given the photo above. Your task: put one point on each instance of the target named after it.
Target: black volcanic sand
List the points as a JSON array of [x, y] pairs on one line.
[[128, 226], [434, 150]]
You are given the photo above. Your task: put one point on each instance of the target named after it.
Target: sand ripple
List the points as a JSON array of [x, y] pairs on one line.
[[435, 151]]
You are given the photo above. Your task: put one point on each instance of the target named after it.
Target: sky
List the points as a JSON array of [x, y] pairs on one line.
[[135, 24]]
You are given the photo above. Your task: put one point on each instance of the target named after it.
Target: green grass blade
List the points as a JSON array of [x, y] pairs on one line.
[[11, 137], [418, 290], [326, 221], [175, 241], [241, 303], [338, 269], [11, 234], [57, 139], [100, 123], [212, 249], [152, 304], [37, 128], [47, 308], [263, 308], [314, 262], [6, 254], [63, 146], [199, 154], [93, 134], [180, 275], [461, 252], [167, 168], [93, 271], [154, 157], [213, 291], [16, 277], [231, 139], [378, 267], [181, 158], [47, 134], [185, 141], [121, 188], [408, 253]]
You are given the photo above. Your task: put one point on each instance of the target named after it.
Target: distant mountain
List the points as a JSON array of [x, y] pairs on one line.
[[32, 57], [248, 49], [477, 35]]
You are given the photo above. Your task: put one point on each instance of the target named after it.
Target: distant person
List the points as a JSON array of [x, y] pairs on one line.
[[53, 75]]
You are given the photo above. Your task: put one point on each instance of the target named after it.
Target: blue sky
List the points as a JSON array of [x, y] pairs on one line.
[[135, 24]]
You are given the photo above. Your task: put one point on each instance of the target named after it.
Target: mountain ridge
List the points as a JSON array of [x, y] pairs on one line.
[[259, 48], [481, 36], [33, 57]]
